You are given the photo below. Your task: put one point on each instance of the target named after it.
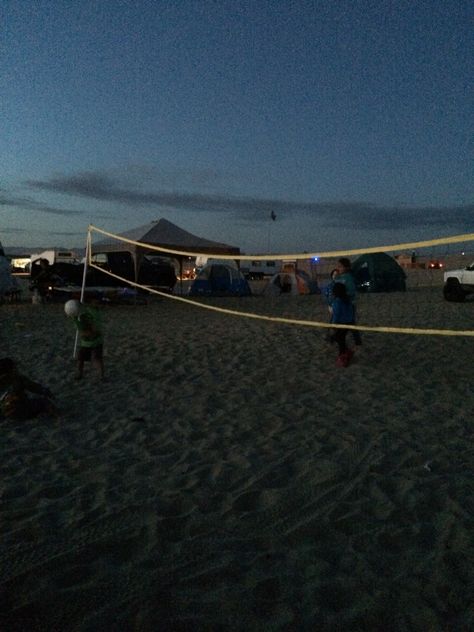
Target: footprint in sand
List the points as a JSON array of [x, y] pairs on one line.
[[255, 500]]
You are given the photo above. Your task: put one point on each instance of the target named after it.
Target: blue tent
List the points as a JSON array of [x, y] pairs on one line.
[[219, 279]]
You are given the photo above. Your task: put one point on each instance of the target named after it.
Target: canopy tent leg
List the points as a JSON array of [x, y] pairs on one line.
[[83, 288]]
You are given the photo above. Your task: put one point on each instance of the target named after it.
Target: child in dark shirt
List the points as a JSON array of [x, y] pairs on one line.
[[342, 313], [346, 276]]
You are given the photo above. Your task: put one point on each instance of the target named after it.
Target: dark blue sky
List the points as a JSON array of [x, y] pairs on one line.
[[353, 121]]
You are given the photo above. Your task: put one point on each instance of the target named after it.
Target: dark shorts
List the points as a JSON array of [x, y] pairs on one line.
[[90, 353]]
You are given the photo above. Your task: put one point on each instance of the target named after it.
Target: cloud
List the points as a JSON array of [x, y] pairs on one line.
[[389, 218], [355, 215], [90, 185], [27, 204], [104, 188], [26, 231], [13, 231], [65, 233]]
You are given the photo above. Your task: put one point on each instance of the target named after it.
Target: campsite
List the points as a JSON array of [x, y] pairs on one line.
[[235, 388], [149, 265], [149, 256], [218, 456], [218, 475]]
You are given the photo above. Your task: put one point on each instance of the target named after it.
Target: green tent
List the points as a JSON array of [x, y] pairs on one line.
[[378, 272]]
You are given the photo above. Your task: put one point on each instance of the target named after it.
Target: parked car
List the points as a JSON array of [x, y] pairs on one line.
[[155, 272], [458, 283]]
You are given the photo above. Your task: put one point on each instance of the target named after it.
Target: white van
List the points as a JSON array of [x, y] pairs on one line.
[[259, 269], [56, 256]]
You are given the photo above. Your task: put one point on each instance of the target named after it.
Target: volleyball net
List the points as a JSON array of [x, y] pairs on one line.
[[400, 286]]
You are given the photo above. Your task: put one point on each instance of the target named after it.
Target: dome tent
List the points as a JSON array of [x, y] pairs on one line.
[[290, 280], [378, 272], [219, 279]]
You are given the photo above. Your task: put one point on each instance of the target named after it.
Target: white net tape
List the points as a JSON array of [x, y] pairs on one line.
[[412, 301]]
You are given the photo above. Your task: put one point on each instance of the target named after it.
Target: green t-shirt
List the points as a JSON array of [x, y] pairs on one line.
[[89, 325], [347, 278]]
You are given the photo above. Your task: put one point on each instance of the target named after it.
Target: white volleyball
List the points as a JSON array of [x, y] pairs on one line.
[[71, 308]]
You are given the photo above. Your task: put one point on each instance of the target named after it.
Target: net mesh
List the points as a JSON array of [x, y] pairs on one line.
[[400, 287]]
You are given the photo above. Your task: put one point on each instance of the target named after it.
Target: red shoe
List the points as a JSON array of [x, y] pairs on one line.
[[341, 360], [344, 358]]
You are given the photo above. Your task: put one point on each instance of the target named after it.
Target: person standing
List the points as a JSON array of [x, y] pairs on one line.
[[88, 323], [42, 278], [342, 313], [346, 277]]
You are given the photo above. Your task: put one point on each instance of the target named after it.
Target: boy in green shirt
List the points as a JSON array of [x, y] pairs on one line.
[[89, 326]]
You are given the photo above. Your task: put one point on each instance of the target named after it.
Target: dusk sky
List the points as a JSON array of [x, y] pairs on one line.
[[351, 120]]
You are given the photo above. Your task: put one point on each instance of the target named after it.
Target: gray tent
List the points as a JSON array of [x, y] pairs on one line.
[[164, 234]]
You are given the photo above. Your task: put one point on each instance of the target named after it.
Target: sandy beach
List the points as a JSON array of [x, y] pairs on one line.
[[228, 475]]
